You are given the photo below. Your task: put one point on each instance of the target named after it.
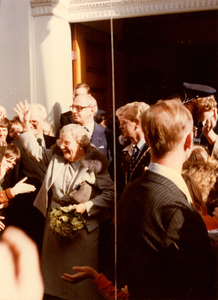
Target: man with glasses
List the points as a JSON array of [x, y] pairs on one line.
[[67, 118], [84, 108]]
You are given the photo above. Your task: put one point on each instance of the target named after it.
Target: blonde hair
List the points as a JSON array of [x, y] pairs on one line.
[[195, 193], [200, 154], [164, 125], [205, 175], [135, 110], [207, 103]]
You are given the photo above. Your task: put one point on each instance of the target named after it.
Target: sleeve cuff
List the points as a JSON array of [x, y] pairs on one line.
[[9, 193]]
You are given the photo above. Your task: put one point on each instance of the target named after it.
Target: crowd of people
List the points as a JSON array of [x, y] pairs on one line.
[[58, 193]]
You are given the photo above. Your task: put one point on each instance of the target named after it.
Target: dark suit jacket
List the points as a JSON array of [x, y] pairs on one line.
[[164, 242], [22, 213], [66, 118], [28, 167]]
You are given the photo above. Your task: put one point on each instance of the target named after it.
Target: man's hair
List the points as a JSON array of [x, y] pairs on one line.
[[207, 103], [12, 152], [82, 85], [165, 124], [40, 107], [135, 110], [4, 123]]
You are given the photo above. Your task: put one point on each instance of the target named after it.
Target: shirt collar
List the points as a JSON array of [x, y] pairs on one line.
[[172, 175], [140, 145]]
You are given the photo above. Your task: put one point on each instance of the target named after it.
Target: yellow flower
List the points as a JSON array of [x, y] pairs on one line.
[[64, 218]]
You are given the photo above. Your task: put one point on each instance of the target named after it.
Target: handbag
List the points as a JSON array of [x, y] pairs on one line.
[[84, 193]]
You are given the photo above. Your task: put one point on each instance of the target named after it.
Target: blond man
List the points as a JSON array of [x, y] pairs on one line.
[[163, 240]]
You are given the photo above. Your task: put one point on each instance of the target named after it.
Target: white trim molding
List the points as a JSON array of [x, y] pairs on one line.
[[87, 10]]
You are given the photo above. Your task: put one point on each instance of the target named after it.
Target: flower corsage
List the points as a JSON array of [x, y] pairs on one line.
[[65, 222]]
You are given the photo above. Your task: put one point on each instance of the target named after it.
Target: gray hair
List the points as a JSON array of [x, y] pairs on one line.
[[40, 108], [90, 101], [78, 133]]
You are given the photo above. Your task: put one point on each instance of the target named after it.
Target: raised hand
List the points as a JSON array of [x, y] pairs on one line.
[[23, 113], [208, 128]]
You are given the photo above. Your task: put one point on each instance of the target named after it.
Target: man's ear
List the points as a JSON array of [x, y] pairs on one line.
[[147, 142], [137, 123], [189, 141]]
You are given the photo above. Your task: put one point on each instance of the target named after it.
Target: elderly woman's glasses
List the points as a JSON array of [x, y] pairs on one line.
[[60, 143], [78, 108]]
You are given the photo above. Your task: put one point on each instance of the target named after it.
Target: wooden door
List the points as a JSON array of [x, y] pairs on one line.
[[92, 63]]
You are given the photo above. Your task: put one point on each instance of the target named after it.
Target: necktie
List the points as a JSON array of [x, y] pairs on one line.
[[88, 132], [39, 140], [133, 158]]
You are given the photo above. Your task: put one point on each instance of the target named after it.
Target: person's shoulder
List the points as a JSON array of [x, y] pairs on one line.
[[49, 140], [66, 114], [17, 143], [100, 130]]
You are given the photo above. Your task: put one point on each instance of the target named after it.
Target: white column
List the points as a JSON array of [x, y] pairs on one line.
[[14, 53], [52, 65], [35, 56]]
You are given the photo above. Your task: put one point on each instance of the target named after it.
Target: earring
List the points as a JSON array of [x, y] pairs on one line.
[[80, 148]]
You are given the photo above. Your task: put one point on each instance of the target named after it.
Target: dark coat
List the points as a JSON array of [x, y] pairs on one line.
[[164, 242], [142, 161], [22, 213]]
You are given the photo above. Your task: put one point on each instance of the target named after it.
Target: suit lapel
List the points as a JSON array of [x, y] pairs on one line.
[[96, 136]]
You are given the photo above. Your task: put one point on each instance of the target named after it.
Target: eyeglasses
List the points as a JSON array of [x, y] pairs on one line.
[[78, 108], [60, 143]]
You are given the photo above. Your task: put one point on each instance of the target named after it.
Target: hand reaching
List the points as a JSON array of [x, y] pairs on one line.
[[21, 187], [20, 276], [83, 273], [207, 129], [23, 113]]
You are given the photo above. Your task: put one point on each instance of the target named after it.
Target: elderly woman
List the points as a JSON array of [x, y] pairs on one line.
[[71, 162]]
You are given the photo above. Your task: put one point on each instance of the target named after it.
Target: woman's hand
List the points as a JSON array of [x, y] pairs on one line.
[[80, 208], [20, 276], [83, 273], [21, 187], [23, 113], [2, 225], [207, 129]]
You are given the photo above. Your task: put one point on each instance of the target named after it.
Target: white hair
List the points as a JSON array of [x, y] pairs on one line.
[[40, 107]]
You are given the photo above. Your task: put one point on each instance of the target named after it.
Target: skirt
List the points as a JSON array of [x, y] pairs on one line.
[[60, 254]]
